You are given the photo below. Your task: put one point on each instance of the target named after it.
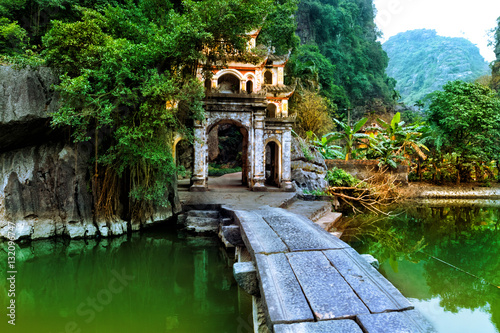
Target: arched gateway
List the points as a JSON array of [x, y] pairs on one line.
[[240, 95]]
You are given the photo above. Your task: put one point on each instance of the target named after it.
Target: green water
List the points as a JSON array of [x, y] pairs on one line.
[[159, 281], [419, 249]]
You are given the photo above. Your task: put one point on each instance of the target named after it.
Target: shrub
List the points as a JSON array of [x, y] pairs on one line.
[[338, 177]]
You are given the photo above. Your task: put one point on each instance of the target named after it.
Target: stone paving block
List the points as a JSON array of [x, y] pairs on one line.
[[281, 291], [232, 234], [329, 219], [410, 321], [297, 232], [245, 275], [258, 235], [327, 326], [327, 292], [378, 294]]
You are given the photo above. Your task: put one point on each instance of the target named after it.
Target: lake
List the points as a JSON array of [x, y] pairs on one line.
[[161, 280], [445, 259]]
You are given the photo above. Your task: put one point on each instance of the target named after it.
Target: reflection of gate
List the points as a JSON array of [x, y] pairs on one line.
[[272, 164]]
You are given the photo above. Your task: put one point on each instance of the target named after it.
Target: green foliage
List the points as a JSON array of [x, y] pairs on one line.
[[127, 80], [13, 38], [312, 71], [339, 178], [346, 35], [278, 31], [216, 170], [495, 65], [325, 147], [396, 143], [422, 62], [349, 136], [466, 118]]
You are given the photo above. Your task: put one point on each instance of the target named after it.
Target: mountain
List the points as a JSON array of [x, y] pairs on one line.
[[422, 62]]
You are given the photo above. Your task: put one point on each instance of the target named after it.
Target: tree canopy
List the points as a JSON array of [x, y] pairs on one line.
[[466, 117], [495, 66], [345, 33], [127, 75]]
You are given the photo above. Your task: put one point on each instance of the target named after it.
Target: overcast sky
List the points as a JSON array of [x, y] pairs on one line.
[[471, 19]]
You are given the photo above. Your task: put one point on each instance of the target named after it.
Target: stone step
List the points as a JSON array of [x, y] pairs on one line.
[[329, 219], [377, 293], [256, 231], [313, 210], [204, 213], [201, 224]]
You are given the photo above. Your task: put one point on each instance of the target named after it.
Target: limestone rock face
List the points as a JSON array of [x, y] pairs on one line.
[[26, 101], [313, 156], [308, 167], [43, 190], [44, 180]]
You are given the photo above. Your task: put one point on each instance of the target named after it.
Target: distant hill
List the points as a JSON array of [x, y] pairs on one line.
[[422, 62]]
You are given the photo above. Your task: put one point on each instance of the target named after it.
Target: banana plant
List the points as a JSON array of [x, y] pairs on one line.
[[323, 144], [349, 135], [406, 139]]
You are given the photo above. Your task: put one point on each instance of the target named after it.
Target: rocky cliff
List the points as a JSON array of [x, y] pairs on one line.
[[308, 167], [44, 178]]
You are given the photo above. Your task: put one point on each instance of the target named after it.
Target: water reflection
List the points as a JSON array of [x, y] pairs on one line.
[[153, 282], [448, 256]]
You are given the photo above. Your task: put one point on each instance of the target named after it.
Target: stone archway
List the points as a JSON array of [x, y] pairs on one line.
[[245, 153], [245, 111], [249, 86], [228, 84], [268, 77], [271, 110], [273, 164]]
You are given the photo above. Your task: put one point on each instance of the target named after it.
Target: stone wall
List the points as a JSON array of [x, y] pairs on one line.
[[44, 178], [363, 169]]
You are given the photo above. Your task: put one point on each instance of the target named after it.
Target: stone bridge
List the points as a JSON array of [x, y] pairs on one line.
[[303, 278], [311, 281]]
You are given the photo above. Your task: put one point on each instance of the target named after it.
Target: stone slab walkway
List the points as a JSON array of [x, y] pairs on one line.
[[311, 281]]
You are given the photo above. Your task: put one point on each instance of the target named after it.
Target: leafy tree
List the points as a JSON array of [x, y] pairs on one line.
[[466, 117], [13, 38], [278, 30], [312, 114], [345, 33], [127, 82], [495, 66], [313, 71]]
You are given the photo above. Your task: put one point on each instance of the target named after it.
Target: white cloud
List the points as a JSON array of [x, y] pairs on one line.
[[452, 18]]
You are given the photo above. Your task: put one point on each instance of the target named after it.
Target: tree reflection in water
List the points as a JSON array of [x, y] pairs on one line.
[[406, 242]]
